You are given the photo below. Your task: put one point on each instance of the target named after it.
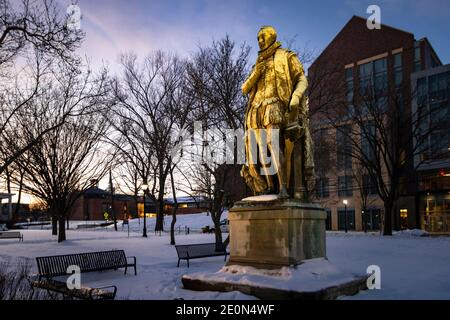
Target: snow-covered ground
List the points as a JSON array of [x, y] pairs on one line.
[[412, 267]]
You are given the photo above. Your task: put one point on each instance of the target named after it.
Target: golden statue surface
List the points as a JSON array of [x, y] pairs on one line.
[[276, 122]]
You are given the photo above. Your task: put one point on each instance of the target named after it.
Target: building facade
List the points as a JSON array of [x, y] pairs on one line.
[[433, 161], [358, 60]]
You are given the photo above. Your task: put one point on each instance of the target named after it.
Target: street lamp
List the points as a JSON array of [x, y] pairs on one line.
[[145, 188], [345, 202]]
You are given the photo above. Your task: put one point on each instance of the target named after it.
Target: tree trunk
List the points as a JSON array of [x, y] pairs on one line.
[[62, 230], [172, 225], [159, 225], [174, 210], [54, 225], [217, 231], [19, 198], [387, 226]]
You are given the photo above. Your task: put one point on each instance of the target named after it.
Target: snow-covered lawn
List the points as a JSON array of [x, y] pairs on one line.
[[412, 267]]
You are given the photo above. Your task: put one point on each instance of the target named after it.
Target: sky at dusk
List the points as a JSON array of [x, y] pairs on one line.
[[116, 26], [119, 26]]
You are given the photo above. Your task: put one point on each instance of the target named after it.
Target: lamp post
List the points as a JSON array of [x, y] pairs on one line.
[[145, 188], [345, 202], [363, 212]]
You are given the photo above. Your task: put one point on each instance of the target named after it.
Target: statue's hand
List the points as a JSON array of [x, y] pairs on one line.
[[260, 68], [295, 102]]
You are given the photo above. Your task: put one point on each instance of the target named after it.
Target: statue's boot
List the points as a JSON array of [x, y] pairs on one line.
[[283, 193]]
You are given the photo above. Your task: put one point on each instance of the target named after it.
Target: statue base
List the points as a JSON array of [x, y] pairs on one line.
[[267, 233], [315, 279], [277, 252]]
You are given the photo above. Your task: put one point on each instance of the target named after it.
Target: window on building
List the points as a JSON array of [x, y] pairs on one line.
[[365, 79], [323, 187], [368, 141], [346, 217], [349, 84], [368, 185], [344, 147], [345, 186], [398, 69], [371, 219], [422, 92], [380, 77], [417, 57]]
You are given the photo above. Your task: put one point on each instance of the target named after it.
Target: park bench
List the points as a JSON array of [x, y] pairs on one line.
[[55, 266], [202, 250], [11, 235]]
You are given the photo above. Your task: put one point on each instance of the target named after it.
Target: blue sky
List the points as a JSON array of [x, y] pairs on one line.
[[116, 26]]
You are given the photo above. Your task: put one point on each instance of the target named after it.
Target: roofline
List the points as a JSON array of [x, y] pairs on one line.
[[432, 49], [361, 18]]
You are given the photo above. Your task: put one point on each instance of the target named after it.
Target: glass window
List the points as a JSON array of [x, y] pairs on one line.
[[398, 70], [380, 77], [346, 217], [398, 60], [349, 73], [368, 185], [368, 141], [345, 186], [323, 189], [417, 58], [422, 91], [365, 78], [344, 147]]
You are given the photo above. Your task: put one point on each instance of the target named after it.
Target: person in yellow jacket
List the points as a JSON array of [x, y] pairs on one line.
[[277, 100]]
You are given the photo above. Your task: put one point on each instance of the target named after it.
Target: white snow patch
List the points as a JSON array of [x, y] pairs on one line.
[[312, 275], [412, 233], [266, 197]]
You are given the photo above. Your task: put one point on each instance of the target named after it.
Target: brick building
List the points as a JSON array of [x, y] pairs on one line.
[[383, 59], [433, 162], [95, 202]]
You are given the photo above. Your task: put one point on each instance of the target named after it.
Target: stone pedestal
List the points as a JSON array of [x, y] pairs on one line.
[[277, 251], [269, 233]]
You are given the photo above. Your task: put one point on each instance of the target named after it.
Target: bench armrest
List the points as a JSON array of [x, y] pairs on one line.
[[134, 259], [102, 288]]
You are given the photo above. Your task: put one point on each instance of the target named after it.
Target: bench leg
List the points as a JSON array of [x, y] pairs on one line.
[[188, 262], [178, 265], [225, 257], [135, 272], [126, 268]]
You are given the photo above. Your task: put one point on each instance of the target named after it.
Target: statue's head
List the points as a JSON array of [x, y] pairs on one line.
[[266, 37]]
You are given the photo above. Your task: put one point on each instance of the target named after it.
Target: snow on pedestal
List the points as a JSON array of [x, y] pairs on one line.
[[313, 279], [266, 197]]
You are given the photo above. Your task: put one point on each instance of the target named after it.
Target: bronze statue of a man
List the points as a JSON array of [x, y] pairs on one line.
[[277, 103]]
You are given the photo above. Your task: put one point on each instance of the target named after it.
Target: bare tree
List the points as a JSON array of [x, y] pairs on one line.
[[151, 106], [61, 165], [216, 74], [33, 39], [38, 24]]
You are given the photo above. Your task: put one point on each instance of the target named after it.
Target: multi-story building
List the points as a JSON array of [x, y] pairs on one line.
[[433, 160], [360, 59]]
